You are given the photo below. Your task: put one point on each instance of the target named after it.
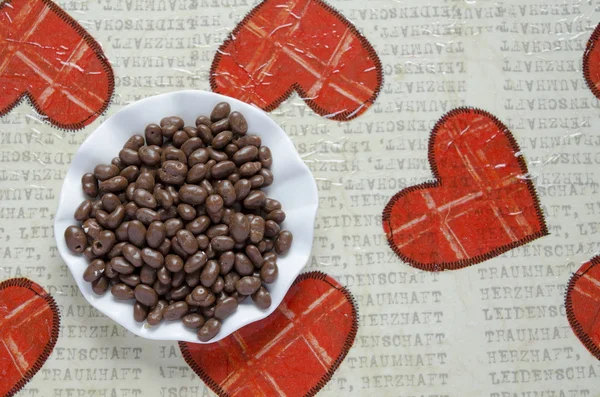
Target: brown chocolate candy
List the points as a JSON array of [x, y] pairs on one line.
[[283, 242], [267, 176], [131, 173], [103, 242], [257, 229], [195, 262], [150, 155], [175, 121], [262, 298], [153, 134], [209, 274], [248, 285], [243, 265], [136, 231], [122, 291], [222, 170], [222, 139], [222, 243], [238, 123], [155, 315], [175, 310], [94, 271], [89, 184], [173, 172], [239, 227], [83, 211], [269, 272], [277, 216], [120, 265], [193, 320], [193, 194], [100, 286], [140, 312], [153, 258], [155, 234], [186, 212], [242, 189], [146, 295], [133, 280], [104, 172], [209, 330], [114, 185], [225, 307], [77, 240], [148, 275], [220, 111]]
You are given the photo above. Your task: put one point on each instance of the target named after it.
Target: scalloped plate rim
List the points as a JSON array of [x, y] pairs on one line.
[[301, 216]]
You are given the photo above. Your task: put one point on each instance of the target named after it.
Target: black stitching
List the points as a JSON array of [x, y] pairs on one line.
[[434, 267], [26, 283], [577, 328], [99, 53], [216, 388], [343, 116], [586, 61]]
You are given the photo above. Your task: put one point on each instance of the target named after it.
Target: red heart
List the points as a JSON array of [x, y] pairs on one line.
[[48, 57], [482, 202], [583, 305], [29, 324], [302, 45], [591, 63], [293, 352]]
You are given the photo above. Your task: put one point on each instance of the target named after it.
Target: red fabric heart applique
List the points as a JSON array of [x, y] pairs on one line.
[[293, 352], [29, 324], [482, 202], [302, 45], [583, 305], [591, 63], [48, 57]]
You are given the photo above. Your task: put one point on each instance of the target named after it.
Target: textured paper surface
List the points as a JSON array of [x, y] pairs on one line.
[[492, 329]]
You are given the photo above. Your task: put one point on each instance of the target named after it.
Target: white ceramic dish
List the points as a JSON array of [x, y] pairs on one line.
[[294, 186]]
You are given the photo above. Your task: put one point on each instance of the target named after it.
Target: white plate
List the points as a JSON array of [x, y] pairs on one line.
[[294, 186]]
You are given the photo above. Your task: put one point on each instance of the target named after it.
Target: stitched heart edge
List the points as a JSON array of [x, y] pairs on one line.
[[41, 292], [344, 116], [577, 328], [434, 267], [96, 48], [586, 61], [316, 275]]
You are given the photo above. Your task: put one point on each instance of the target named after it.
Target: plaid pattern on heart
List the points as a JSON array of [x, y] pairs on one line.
[[583, 305], [591, 63], [482, 202], [302, 45], [293, 352], [29, 324], [48, 57]]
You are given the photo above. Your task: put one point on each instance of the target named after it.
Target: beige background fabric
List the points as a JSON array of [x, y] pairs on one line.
[[496, 329]]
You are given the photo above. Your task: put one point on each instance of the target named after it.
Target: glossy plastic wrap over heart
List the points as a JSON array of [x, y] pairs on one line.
[[294, 186]]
